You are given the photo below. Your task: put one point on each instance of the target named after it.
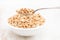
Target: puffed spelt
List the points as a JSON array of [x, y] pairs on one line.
[[26, 21], [25, 11]]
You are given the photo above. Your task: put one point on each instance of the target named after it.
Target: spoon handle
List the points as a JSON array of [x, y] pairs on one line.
[[47, 8]]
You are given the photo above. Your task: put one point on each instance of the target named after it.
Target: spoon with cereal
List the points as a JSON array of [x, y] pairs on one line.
[[26, 11]]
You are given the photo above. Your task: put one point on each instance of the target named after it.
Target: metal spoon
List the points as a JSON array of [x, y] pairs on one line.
[[46, 8]]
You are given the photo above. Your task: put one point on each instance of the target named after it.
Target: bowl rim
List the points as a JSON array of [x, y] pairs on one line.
[[22, 28]]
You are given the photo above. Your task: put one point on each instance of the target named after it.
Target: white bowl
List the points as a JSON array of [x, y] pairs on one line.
[[25, 31]]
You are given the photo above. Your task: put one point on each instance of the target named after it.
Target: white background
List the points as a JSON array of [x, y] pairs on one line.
[[51, 28]]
